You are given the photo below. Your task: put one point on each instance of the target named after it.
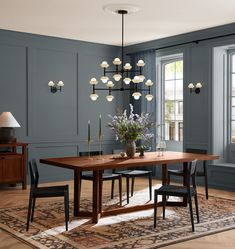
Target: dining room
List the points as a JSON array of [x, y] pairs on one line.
[[117, 125]]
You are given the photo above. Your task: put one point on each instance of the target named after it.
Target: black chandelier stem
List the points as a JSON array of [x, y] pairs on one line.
[[122, 69]]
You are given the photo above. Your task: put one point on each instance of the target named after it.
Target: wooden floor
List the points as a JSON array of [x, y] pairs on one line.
[[12, 196]]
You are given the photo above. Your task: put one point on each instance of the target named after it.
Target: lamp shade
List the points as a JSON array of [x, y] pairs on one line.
[[8, 120]]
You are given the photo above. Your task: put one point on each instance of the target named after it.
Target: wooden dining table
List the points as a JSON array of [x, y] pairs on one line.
[[100, 163]]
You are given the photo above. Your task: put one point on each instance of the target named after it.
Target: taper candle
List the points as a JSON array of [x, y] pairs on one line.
[[89, 131], [100, 132]]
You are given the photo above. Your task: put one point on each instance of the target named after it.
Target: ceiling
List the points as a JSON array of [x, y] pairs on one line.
[[87, 21]]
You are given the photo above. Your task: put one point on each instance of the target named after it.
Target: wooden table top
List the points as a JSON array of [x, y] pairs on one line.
[[116, 162]]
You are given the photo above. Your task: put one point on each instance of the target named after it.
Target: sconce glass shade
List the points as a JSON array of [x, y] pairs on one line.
[[117, 62], [94, 96], [136, 95], [149, 83], [51, 83], [140, 63], [110, 84], [60, 83], [127, 66], [117, 77], [127, 81], [198, 85], [190, 85], [109, 98], [104, 64], [93, 81], [104, 79], [149, 97]]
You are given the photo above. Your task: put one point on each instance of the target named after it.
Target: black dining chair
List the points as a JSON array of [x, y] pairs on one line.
[[201, 173], [131, 174], [187, 191], [41, 192], [107, 176]]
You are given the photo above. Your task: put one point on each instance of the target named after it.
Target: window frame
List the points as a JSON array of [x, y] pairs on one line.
[[230, 53], [164, 60]]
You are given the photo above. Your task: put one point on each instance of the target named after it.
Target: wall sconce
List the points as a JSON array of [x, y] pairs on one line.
[[55, 87], [195, 87]]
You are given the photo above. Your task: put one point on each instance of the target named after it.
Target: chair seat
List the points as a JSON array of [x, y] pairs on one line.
[[181, 172], [176, 171], [135, 172], [174, 190], [106, 176], [50, 191]]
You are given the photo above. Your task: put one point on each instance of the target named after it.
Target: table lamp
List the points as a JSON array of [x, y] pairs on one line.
[[7, 124]]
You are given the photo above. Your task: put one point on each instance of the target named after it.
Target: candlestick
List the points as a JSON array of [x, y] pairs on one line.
[[89, 132], [100, 132]]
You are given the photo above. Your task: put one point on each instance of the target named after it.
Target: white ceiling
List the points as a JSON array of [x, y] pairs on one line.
[[86, 20]]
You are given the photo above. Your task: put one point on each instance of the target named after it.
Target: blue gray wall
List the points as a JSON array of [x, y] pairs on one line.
[[54, 124], [204, 113]]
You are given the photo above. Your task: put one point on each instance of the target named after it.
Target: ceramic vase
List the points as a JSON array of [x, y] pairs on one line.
[[130, 148]]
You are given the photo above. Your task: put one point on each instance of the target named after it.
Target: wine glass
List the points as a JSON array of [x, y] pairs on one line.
[[158, 147], [163, 147]]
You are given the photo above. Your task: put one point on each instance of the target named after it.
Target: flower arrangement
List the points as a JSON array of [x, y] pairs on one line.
[[132, 127]]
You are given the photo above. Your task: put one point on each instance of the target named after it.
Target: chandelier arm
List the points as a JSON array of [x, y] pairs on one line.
[[128, 71], [118, 89]]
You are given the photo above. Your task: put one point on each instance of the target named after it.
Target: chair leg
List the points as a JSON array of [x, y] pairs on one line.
[[132, 185], [120, 189], [29, 212], [112, 188], [155, 210], [33, 207], [66, 208], [127, 189], [150, 186], [164, 206], [168, 178], [197, 211], [206, 181], [191, 211]]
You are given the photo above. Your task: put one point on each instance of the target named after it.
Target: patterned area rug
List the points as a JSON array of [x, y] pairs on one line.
[[132, 230]]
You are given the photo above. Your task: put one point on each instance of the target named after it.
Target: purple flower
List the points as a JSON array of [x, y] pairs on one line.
[[133, 127]]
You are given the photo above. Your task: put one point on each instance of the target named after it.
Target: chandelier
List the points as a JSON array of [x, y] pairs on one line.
[[122, 75]]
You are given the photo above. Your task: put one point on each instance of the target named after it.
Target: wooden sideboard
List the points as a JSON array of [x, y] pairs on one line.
[[13, 163]]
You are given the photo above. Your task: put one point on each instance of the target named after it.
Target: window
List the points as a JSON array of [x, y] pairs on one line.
[[172, 99], [232, 94]]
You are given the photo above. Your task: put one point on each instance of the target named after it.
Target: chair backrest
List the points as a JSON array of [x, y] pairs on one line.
[[198, 151], [34, 175], [192, 166], [92, 153]]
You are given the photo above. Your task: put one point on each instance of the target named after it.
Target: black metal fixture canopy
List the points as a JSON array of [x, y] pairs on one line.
[[122, 73]]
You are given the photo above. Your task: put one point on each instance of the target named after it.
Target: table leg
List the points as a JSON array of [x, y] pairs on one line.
[[100, 190], [96, 199], [77, 191]]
